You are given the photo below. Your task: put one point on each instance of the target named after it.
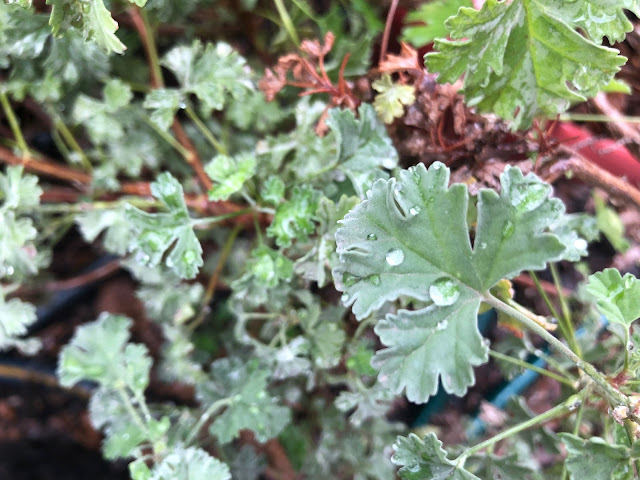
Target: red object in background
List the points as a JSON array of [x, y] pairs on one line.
[[605, 153]]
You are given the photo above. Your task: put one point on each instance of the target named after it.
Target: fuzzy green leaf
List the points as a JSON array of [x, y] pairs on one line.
[[595, 458], [618, 298], [249, 404], [164, 103], [90, 17], [157, 232], [422, 459], [410, 237], [392, 98], [113, 221], [364, 147], [210, 73], [230, 174], [18, 190], [99, 352], [18, 256], [433, 14], [525, 56], [272, 190], [610, 224], [294, 219], [15, 318], [190, 464]]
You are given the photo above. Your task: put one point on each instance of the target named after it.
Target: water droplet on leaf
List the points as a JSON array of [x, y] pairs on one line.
[[629, 281], [526, 197], [442, 325], [507, 229], [413, 211], [374, 279], [580, 244], [444, 291], [372, 237], [345, 297], [395, 257]]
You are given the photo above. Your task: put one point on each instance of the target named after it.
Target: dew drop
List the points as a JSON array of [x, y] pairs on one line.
[[389, 163], [344, 297], [189, 257], [395, 257], [372, 237], [526, 197], [483, 245], [442, 325], [182, 105], [444, 291], [436, 166], [9, 271], [580, 244], [507, 229], [416, 175], [397, 189], [629, 280], [348, 279], [413, 211], [374, 279]]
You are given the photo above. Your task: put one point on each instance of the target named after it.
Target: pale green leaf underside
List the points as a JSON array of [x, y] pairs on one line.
[[526, 56], [190, 464], [410, 238]]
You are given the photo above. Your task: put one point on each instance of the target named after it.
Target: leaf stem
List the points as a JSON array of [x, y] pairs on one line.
[[567, 406], [611, 392], [14, 124], [224, 402], [72, 142], [545, 297], [565, 320], [595, 117], [529, 366], [220, 218], [175, 144], [220, 148], [287, 22], [135, 416]]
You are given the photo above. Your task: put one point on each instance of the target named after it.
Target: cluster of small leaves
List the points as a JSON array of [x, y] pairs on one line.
[[526, 57], [19, 257]]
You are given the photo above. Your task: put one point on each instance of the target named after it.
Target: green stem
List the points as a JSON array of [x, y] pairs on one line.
[[71, 141], [576, 430], [219, 218], [14, 124], [154, 60], [287, 22], [135, 416], [86, 206], [167, 137], [568, 405], [224, 402], [545, 297], [220, 148], [143, 405], [599, 379], [566, 313], [523, 364]]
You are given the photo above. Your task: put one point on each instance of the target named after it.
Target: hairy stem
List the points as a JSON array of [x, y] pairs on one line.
[[565, 320], [599, 379], [529, 366], [215, 143], [214, 407], [72, 142]]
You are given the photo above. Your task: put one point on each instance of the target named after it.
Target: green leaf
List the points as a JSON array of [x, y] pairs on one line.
[[392, 98], [433, 16], [155, 233], [410, 238], [230, 174], [575, 231], [525, 56], [211, 74], [610, 224], [22, 3], [249, 404], [294, 219], [190, 464], [118, 230], [618, 298], [272, 190], [15, 318], [18, 255], [164, 103], [108, 413], [99, 352], [364, 147], [508, 467], [90, 17], [595, 458], [372, 402], [422, 459], [18, 190]]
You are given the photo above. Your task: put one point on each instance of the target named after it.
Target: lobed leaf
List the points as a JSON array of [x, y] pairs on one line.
[[294, 219], [190, 464], [617, 297], [421, 459], [432, 15], [595, 458], [230, 174], [15, 318], [410, 238], [155, 233], [392, 98], [526, 56]]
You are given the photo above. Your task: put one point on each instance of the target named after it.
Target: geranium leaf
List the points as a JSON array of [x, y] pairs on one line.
[[190, 464], [595, 458], [421, 459], [618, 298], [526, 56], [410, 238]]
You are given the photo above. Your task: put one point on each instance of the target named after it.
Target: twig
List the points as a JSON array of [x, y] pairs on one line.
[[624, 129], [585, 170], [387, 30], [99, 273], [45, 167], [13, 123]]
